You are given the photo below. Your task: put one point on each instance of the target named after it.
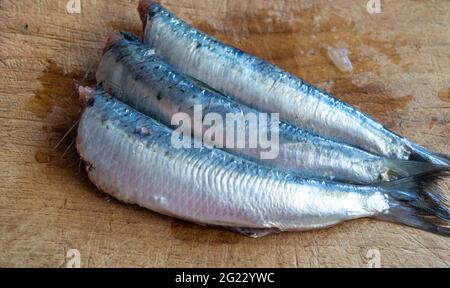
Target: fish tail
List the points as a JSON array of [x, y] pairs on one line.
[[404, 168], [420, 153], [419, 202]]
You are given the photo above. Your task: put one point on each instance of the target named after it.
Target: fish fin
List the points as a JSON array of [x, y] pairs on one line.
[[420, 202], [409, 216], [404, 168], [444, 157], [420, 153], [254, 232]]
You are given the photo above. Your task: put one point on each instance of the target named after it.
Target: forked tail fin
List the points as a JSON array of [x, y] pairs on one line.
[[419, 202], [404, 168], [420, 153]]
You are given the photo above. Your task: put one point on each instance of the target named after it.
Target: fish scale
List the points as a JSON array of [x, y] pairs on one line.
[[213, 187], [259, 84], [136, 76], [196, 167]]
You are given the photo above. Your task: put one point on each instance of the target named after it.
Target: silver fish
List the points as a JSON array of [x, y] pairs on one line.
[[141, 79], [129, 156], [259, 84]]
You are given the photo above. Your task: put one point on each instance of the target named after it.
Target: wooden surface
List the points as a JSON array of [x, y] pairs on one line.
[[401, 76]]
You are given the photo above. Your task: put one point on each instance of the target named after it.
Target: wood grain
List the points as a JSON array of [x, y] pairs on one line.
[[401, 76]]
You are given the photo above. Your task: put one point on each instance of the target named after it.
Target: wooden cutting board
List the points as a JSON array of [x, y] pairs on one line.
[[401, 76]]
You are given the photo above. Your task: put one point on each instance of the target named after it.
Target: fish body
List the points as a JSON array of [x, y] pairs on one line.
[[129, 156], [144, 81], [257, 83]]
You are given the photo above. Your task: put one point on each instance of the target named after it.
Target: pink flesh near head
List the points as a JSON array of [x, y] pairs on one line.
[[112, 39], [143, 7], [85, 93]]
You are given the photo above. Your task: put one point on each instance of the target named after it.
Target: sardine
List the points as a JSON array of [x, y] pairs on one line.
[[141, 79], [257, 83], [129, 156]]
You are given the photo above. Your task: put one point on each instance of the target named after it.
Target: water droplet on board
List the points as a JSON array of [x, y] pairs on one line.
[[339, 57]]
